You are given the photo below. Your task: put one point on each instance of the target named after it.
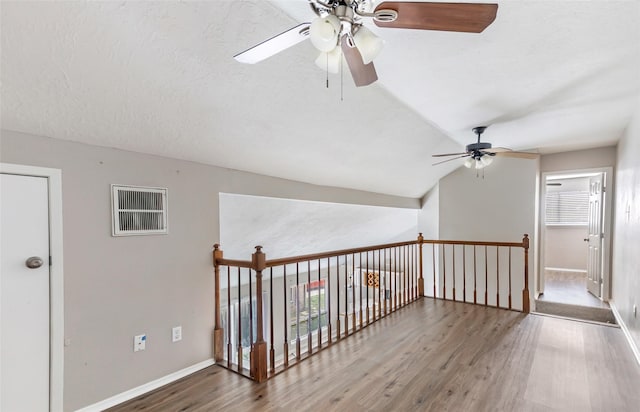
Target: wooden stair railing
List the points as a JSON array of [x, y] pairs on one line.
[[325, 297]]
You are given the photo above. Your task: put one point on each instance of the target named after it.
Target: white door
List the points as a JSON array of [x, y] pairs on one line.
[[594, 262], [24, 294]]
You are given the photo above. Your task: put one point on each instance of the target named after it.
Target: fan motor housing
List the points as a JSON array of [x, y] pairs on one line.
[[478, 146]]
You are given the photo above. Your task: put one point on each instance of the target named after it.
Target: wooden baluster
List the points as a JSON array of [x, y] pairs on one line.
[[475, 278], [464, 273], [412, 290], [379, 288], [229, 346], [297, 311], [421, 281], [525, 291], [239, 323], [433, 264], [509, 278], [366, 283], [218, 333], [395, 278], [497, 276], [251, 342], [486, 278], [310, 309], [346, 297], [386, 275], [353, 291], [360, 281], [405, 284], [272, 353], [444, 273], [453, 253], [286, 322], [319, 308], [338, 324], [327, 304], [259, 357]]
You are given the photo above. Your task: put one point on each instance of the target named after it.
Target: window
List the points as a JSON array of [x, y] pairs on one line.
[[567, 208], [308, 308]]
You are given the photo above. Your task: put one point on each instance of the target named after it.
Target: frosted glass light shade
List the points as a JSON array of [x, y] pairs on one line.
[[324, 32], [330, 61], [368, 44], [469, 162], [486, 160]]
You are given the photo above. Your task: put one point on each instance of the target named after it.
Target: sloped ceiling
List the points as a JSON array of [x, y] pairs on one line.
[[159, 78]]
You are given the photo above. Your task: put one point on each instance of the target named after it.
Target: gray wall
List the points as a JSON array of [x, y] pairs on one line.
[[116, 288], [626, 240]]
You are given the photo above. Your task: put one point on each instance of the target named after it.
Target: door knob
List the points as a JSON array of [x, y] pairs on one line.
[[586, 239], [34, 262]]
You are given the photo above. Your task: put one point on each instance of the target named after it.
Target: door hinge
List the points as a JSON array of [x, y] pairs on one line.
[[50, 261]]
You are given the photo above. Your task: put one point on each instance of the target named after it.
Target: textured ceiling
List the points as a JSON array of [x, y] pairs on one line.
[[158, 77]]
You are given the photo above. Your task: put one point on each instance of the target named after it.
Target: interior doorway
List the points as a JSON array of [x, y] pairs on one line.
[[575, 239]]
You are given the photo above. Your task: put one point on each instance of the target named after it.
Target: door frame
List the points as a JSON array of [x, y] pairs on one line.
[[56, 276], [606, 226]]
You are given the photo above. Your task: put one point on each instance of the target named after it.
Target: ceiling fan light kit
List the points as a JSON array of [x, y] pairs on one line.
[[338, 27]]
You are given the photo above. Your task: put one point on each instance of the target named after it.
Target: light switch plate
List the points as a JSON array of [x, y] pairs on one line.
[[176, 334]]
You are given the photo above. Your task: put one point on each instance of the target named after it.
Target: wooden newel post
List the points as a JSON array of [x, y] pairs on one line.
[[525, 292], [421, 280], [259, 349], [218, 333]]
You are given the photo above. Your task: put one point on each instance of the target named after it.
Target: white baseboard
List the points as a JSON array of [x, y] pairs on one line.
[[566, 270], [147, 387], [625, 330]]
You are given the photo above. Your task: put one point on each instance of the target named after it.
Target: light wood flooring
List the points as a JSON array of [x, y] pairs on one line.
[[569, 288], [434, 356]]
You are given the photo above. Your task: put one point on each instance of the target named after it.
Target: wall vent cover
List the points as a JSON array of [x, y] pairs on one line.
[[138, 210]]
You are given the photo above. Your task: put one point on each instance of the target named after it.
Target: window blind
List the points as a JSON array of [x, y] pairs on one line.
[[567, 208]]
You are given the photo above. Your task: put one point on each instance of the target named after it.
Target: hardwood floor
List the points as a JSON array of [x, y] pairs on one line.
[[434, 356], [569, 288]]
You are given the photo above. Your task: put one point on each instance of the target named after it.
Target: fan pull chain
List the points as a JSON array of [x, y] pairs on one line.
[[341, 78], [327, 71]]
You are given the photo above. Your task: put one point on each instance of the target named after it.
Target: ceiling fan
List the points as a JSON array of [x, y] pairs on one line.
[[480, 154], [338, 30]]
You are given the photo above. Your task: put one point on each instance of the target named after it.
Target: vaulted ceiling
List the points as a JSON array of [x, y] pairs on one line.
[[159, 77]]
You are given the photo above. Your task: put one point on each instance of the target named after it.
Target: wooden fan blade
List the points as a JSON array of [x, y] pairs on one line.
[[520, 155], [363, 74], [448, 160], [460, 17], [497, 150], [274, 45], [449, 154]]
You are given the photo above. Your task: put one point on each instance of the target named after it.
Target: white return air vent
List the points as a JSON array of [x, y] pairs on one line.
[[138, 210]]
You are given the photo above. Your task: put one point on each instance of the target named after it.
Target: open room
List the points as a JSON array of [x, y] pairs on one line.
[[319, 205]]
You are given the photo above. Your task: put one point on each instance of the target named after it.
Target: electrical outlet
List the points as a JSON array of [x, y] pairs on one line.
[[176, 334], [635, 311], [139, 342]]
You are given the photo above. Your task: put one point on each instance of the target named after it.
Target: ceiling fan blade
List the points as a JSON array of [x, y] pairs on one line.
[[497, 150], [448, 160], [274, 45], [460, 17], [449, 154], [363, 74], [520, 155]]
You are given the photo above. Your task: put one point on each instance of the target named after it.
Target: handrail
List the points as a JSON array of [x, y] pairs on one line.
[[351, 289], [334, 253]]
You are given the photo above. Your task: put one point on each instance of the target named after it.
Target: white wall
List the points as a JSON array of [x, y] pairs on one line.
[[116, 288], [564, 247], [289, 227], [626, 238]]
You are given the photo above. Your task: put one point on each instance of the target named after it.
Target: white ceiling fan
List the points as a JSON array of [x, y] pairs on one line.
[[338, 30]]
